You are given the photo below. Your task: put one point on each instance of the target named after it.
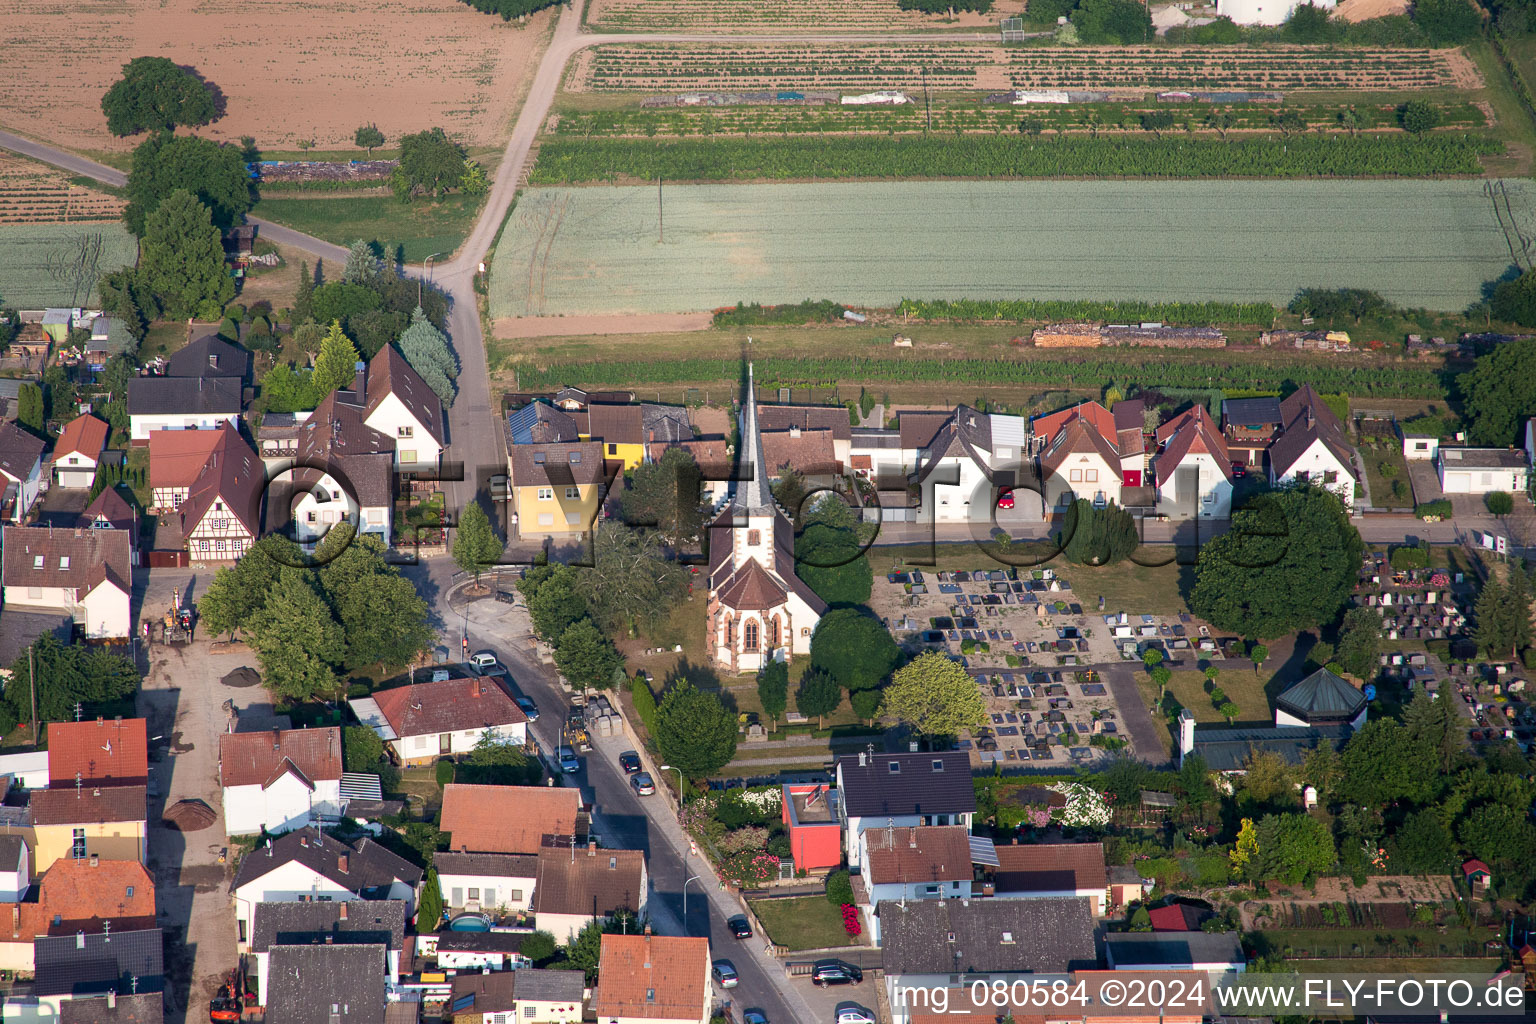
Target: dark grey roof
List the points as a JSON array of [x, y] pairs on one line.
[[1136, 948], [915, 788], [1322, 697], [297, 924], [548, 986], [165, 396], [209, 356], [145, 1008], [1308, 419], [91, 965], [304, 984], [20, 628], [1251, 411], [19, 451], [1227, 750], [962, 936], [10, 852], [369, 865], [538, 422], [665, 422], [1481, 458], [481, 942], [876, 438], [488, 865]]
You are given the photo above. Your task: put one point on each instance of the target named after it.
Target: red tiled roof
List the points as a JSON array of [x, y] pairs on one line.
[[507, 819], [810, 453], [453, 705], [750, 588], [1473, 866], [258, 758], [1189, 432], [84, 434], [1079, 436], [233, 475], [652, 977], [917, 854], [1175, 917], [1051, 867], [176, 457], [1101, 418], [111, 752], [82, 894]]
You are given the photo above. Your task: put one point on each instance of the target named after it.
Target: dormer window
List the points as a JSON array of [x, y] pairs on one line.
[[895, 767], [575, 458], [538, 458], [37, 561], [650, 995], [63, 561], [938, 766]]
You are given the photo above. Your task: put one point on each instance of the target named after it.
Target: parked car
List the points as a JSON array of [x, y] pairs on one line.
[[739, 927], [529, 709], [630, 762], [506, 597], [485, 663], [753, 1017], [835, 972], [569, 762], [853, 1013], [1239, 470], [724, 973], [643, 783], [1005, 498], [499, 489]]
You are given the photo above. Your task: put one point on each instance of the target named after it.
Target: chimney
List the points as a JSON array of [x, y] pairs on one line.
[[360, 380], [341, 863], [794, 430], [95, 860], [1186, 733], [111, 998], [591, 848], [912, 838], [304, 841], [342, 907], [647, 932], [1015, 840], [474, 686]]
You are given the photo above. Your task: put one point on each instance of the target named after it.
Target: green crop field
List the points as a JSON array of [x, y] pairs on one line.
[[29, 252], [601, 250]]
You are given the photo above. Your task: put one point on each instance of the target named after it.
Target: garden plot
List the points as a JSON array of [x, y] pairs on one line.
[[779, 15], [29, 251], [601, 250], [33, 193], [652, 67]]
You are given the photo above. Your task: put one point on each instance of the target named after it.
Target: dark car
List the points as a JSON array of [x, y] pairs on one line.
[[506, 597], [739, 927], [630, 762], [835, 972]]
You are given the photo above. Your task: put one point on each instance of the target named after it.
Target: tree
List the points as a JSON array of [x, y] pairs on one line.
[[1288, 563], [238, 591], [555, 601], [819, 694], [361, 748], [1294, 848], [154, 94], [866, 703], [284, 389], [384, 619], [1112, 21], [773, 691], [630, 580], [1157, 121], [1097, 536], [1359, 642], [1309, 23], [1258, 654], [1269, 779], [214, 173], [426, 349], [1381, 764], [1245, 850], [429, 162], [1499, 392], [854, 648], [1290, 120], [297, 640], [362, 265], [1320, 768], [1447, 21], [1418, 117], [1229, 711], [1423, 845], [586, 657], [336, 365], [664, 495], [838, 888], [181, 259], [1503, 616], [368, 137], [1499, 503], [829, 554], [429, 910], [343, 300], [475, 545], [67, 674], [538, 947], [1161, 675], [495, 761], [694, 731], [935, 696], [1501, 835], [303, 300], [29, 408]]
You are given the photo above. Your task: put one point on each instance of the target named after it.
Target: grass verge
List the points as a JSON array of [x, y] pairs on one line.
[[420, 228]]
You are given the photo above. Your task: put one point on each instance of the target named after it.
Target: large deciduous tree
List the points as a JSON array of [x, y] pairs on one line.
[[829, 554], [1293, 848], [554, 599], [630, 582], [935, 696], [297, 641], [665, 495], [694, 731], [429, 162], [586, 657], [156, 93], [426, 349], [214, 173], [773, 691], [1499, 392], [1383, 764], [238, 591], [383, 618], [1288, 563], [475, 545], [853, 647], [181, 260], [1422, 845], [819, 694]]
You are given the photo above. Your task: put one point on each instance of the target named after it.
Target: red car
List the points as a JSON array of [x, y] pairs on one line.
[[1005, 499], [1239, 470]]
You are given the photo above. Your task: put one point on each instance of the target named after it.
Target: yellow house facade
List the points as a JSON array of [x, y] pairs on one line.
[[107, 822], [620, 428], [556, 488]]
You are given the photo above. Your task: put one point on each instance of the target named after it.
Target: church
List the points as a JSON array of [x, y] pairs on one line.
[[759, 610]]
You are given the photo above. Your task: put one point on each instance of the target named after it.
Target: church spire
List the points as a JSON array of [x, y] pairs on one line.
[[752, 494]]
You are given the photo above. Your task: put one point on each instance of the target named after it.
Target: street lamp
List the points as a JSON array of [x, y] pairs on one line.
[[428, 263], [670, 768], [690, 878]]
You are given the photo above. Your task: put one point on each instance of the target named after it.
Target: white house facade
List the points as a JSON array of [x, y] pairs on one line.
[[1481, 470], [87, 573], [500, 882], [1319, 466]]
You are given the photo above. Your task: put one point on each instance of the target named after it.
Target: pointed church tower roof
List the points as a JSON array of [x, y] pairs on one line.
[[752, 494]]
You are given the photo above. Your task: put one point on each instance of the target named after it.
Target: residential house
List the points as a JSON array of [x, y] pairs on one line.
[[1079, 461], [807, 419], [28, 769], [1250, 426], [109, 337], [901, 790], [180, 403], [875, 452], [75, 966], [398, 404], [340, 923], [78, 451], [810, 453], [653, 979], [501, 883], [912, 863], [664, 424], [445, 718], [86, 573], [221, 516], [15, 868], [1192, 468], [620, 429], [810, 814], [1420, 447], [758, 610], [1480, 470], [75, 897], [577, 886], [1130, 440], [277, 439], [1313, 447], [525, 996], [278, 780], [103, 752], [1037, 871], [177, 458], [308, 865], [210, 356], [343, 473], [540, 422], [557, 488], [109, 822], [474, 951], [21, 470], [326, 984], [1044, 429], [128, 1008], [111, 511], [510, 819], [926, 943], [971, 457], [1175, 951]]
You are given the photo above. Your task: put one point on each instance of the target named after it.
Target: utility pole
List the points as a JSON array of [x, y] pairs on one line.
[[661, 227], [32, 680], [927, 108]]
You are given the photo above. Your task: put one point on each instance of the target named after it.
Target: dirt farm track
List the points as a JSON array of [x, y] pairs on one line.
[[290, 70]]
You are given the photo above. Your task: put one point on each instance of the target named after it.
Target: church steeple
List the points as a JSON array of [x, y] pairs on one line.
[[752, 495]]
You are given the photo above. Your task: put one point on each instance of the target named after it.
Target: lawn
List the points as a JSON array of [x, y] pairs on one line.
[[1127, 587], [421, 782], [1237, 681], [803, 922], [1384, 468], [420, 228]]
